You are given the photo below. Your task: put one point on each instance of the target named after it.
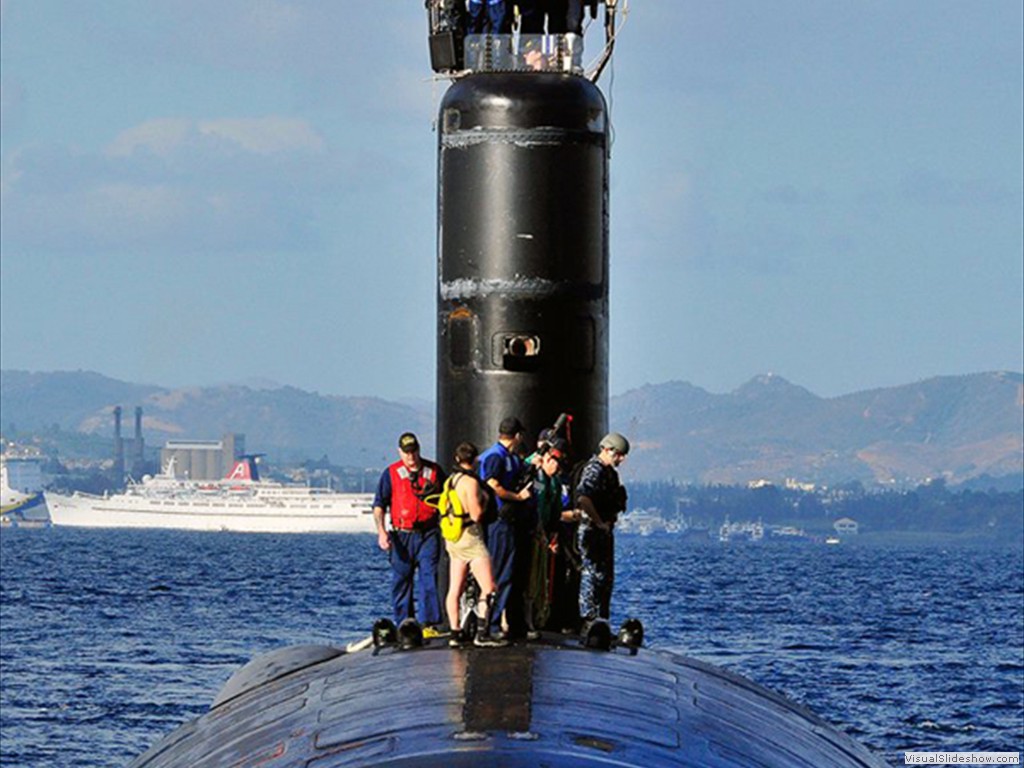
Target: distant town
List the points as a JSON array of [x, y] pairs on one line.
[[769, 462]]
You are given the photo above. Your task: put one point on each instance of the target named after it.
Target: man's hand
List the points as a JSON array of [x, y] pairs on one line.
[[383, 539], [588, 508]]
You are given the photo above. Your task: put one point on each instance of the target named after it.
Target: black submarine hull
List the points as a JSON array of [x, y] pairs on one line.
[[550, 703], [522, 257]]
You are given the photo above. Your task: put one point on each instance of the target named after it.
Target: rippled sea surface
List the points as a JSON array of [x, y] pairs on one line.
[[109, 639]]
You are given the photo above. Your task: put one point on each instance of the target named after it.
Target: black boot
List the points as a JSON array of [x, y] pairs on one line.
[[484, 638]]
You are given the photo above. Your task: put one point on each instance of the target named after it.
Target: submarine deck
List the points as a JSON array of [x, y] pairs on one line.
[[552, 702]]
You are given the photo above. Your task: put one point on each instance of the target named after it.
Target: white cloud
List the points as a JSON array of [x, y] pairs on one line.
[[173, 184], [267, 135], [262, 136], [161, 137]]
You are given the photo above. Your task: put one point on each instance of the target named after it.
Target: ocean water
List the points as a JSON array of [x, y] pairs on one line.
[[109, 639]]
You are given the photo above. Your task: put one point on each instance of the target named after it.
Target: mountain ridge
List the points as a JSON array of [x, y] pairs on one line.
[[956, 427]]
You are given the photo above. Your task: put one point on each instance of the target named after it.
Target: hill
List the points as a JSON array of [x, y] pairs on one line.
[[288, 423], [958, 428], [954, 427]]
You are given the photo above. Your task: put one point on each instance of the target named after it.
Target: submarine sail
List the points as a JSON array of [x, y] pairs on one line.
[[523, 256]]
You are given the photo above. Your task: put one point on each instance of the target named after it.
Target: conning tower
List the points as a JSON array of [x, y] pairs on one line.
[[522, 210]]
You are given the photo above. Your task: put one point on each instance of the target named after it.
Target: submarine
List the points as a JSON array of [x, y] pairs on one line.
[[522, 329]]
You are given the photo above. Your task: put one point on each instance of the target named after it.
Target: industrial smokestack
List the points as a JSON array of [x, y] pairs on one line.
[[118, 446], [137, 458]]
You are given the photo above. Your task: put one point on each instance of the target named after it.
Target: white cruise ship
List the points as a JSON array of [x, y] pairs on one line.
[[240, 502]]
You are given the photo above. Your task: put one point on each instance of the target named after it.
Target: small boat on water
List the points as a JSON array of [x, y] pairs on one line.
[[789, 534], [240, 502], [21, 507], [745, 532], [646, 522], [24, 511]]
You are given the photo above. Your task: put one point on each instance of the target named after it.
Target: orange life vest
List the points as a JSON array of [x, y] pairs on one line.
[[407, 494]]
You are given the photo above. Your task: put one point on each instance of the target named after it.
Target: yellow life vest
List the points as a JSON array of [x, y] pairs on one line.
[[452, 516]]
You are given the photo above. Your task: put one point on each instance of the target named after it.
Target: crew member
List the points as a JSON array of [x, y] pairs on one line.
[[563, 16], [547, 493], [503, 470], [489, 17], [601, 497], [468, 554], [413, 541]]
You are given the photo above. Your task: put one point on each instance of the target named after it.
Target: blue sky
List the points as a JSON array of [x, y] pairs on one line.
[[202, 192]]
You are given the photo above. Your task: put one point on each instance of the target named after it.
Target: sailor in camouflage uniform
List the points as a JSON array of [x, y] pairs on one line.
[[601, 497]]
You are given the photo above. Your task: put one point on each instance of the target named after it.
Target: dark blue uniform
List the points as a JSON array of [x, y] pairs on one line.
[[600, 483], [502, 534], [415, 542], [563, 16], [489, 16]]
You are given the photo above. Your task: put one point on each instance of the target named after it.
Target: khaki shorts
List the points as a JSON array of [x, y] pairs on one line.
[[470, 545]]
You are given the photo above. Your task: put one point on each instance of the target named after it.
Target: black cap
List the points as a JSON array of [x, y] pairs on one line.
[[408, 442], [510, 426]]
